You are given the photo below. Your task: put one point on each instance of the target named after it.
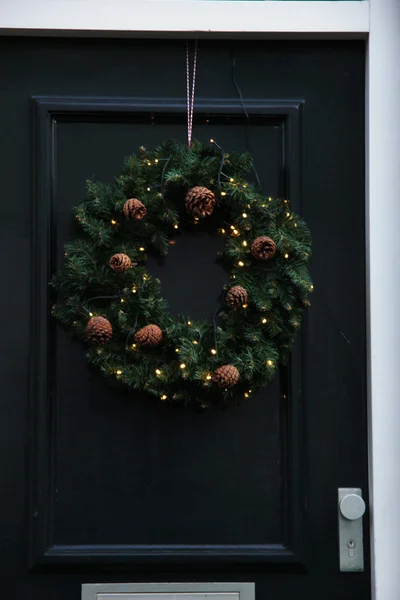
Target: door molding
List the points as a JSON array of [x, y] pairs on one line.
[[379, 22], [49, 113]]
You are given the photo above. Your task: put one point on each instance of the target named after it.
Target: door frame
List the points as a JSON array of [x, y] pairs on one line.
[[378, 22]]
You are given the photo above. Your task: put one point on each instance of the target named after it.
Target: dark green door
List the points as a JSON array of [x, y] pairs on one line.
[[99, 485]]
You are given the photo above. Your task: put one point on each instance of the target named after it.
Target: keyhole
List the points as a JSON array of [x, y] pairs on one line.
[[351, 545]]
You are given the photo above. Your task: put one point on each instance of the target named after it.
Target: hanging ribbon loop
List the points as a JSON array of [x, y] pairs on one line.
[[190, 92]]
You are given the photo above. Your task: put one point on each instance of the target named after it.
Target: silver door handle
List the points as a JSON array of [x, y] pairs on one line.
[[351, 508]]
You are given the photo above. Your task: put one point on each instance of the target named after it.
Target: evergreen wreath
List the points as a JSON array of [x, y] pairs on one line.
[[109, 300]]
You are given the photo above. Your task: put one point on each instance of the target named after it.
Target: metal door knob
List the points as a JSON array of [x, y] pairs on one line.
[[352, 507]]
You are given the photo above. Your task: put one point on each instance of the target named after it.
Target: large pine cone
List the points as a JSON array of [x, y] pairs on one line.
[[99, 330], [237, 296], [150, 335], [226, 376], [134, 210], [263, 248], [120, 262], [199, 201]]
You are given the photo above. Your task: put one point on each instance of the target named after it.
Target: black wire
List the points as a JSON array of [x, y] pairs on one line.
[[239, 91]]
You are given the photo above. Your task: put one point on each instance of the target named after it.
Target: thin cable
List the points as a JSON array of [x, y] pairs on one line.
[[190, 93], [239, 91]]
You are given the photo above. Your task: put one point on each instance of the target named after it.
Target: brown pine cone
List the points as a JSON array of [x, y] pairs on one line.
[[120, 262], [237, 296], [150, 335], [134, 210], [226, 376], [99, 330], [199, 201], [263, 248]]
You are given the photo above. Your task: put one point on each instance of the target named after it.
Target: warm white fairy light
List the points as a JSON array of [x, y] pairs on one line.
[[122, 300], [263, 321], [208, 376], [182, 366], [90, 314], [134, 346], [244, 243], [245, 305], [158, 372], [176, 226], [286, 255], [149, 189], [156, 160], [119, 372], [270, 363], [177, 350], [231, 180], [240, 263], [113, 222], [244, 215], [213, 351], [134, 290], [189, 323], [141, 249], [195, 342], [223, 193], [164, 397]]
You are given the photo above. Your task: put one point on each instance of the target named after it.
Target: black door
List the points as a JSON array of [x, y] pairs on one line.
[[99, 485]]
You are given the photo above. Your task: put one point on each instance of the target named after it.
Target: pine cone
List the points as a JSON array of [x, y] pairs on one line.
[[99, 330], [199, 201], [134, 210], [237, 296], [263, 248], [120, 262], [150, 335], [226, 376]]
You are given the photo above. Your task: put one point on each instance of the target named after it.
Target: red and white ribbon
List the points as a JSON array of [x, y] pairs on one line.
[[190, 93]]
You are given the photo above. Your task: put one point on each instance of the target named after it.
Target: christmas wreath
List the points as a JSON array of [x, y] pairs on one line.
[[108, 299]]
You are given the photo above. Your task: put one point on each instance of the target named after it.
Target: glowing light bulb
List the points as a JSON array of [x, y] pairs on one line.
[[149, 189], [122, 300], [295, 224], [176, 226], [158, 372], [156, 160], [142, 249], [288, 214], [113, 222], [208, 376], [241, 263], [264, 320], [134, 290], [164, 397], [244, 243], [189, 323], [245, 305], [148, 163], [223, 231], [195, 342], [232, 227], [145, 277], [211, 141], [235, 232], [213, 351], [90, 314], [270, 363], [133, 346], [182, 366], [286, 255], [246, 394], [311, 288], [231, 180], [244, 215], [223, 193], [119, 372]]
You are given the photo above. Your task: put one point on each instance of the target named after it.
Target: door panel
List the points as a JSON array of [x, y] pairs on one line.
[[112, 480]]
